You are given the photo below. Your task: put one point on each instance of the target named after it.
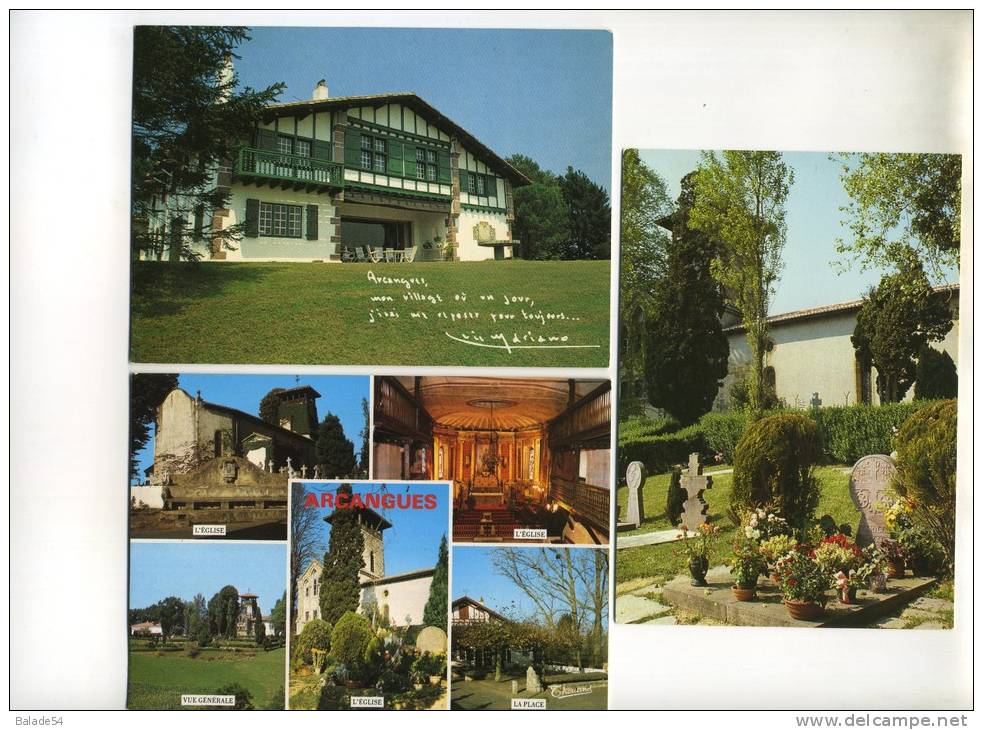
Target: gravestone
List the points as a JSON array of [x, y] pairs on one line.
[[533, 685], [694, 483], [870, 483], [515, 687], [635, 476], [432, 639]]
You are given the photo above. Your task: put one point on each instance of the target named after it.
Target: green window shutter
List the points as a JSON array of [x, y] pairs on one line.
[[252, 217], [409, 160], [443, 166], [464, 180], [321, 150], [491, 186], [199, 222], [311, 222], [353, 148], [394, 162], [265, 139]]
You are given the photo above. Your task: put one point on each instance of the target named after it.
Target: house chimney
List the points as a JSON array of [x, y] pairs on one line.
[[320, 91]]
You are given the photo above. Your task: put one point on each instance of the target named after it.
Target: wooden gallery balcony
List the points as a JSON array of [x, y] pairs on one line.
[[296, 172]]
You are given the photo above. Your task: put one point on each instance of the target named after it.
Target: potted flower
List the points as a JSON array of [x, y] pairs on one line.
[[803, 584], [775, 547], [872, 569], [835, 554], [746, 565], [895, 555], [698, 551]]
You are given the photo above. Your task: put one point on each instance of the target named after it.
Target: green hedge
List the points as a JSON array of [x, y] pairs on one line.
[[662, 451], [631, 429], [849, 432], [722, 431]]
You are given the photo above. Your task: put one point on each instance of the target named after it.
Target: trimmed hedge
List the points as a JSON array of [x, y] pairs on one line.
[[722, 431], [635, 428], [850, 432], [660, 452]]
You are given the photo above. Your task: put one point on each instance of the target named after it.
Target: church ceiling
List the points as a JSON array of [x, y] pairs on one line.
[[503, 404]]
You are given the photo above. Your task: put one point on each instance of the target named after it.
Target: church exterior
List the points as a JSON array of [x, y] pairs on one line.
[[399, 598], [329, 179]]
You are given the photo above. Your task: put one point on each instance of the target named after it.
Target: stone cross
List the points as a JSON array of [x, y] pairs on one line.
[[303, 471], [533, 685], [271, 466], [693, 482], [635, 477], [870, 482]]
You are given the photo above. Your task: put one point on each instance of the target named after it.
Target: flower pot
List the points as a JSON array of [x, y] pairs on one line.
[[895, 568], [435, 678], [804, 610], [698, 567], [848, 596], [742, 593], [775, 578], [878, 583]]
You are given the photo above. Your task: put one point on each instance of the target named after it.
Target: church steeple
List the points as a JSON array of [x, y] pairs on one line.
[[372, 525]]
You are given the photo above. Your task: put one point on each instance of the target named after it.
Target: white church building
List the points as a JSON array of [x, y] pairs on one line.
[[400, 598], [384, 177]]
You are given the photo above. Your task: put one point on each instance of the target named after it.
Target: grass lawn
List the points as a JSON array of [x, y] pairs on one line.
[[319, 314], [659, 563], [157, 682], [487, 694]]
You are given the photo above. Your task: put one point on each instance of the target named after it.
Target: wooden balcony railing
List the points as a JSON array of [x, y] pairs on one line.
[[293, 168], [586, 500]]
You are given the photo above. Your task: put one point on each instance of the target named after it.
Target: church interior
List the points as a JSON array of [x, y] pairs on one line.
[[529, 458]]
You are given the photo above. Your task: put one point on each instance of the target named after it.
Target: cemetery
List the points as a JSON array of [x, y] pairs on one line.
[[781, 533]]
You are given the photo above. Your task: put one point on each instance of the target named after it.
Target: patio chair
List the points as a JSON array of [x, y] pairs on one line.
[[360, 255], [347, 254], [409, 254], [390, 254], [377, 255]]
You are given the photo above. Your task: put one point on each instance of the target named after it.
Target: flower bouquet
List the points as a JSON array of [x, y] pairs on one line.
[[774, 548], [698, 551], [746, 565], [803, 583]]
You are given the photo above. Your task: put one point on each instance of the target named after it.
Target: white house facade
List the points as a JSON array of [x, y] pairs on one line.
[[386, 176]]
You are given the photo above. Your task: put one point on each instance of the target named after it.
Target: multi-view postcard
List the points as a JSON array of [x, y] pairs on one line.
[[530, 459], [369, 586], [207, 626], [788, 383], [211, 455], [351, 203]]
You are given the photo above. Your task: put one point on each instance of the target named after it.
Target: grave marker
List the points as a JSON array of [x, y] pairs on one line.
[[635, 476], [870, 483], [694, 483]]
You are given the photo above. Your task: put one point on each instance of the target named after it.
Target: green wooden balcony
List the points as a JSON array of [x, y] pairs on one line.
[[288, 171]]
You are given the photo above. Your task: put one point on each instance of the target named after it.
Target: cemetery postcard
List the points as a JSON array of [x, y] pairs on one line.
[[368, 196], [788, 382]]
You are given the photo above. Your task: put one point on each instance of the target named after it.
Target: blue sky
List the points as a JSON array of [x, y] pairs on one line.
[[472, 574], [542, 93], [340, 394], [413, 541], [159, 570], [813, 219]]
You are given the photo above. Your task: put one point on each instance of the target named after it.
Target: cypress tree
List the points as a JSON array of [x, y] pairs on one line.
[[435, 612], [342, 562]]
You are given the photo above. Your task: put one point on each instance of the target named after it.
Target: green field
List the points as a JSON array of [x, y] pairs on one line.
[[321, 314], [659, 563], [157, 682]]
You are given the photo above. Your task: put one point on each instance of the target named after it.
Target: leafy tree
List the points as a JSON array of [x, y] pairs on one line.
[[171, 616], [896, 320], [902, 205], [269, 406], [332, 451], [541, 218], [316, 634], [147, 392], [244, 698], [363, 457], [195, 615], [487, 637], [340, 588], [188, 118], [589, 211], [350, 637], [686, 356], [935, 375], [259, 629], [278, 616], [435, 611], [740, 203], [223, 612]]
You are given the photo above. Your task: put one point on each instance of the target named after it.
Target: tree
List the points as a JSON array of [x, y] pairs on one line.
[[897, 319], [278, 616], [223, 612], [304, 538], [333, 452], [269, 406], [195, 615], [541, 218], [740, 203], [350, 637], [147, 392], [935, 375], [644, 244], [363, 457], [259, 629], [687, 351], [902, 205], [188, 118], [589, 213], [435, 611], [171, 616], [340, 587]]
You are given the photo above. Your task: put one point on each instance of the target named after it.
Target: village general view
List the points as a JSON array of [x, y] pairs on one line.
[[789, 348]]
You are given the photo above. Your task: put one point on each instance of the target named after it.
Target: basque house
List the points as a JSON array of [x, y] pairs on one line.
[[523, 454], [384, 177]]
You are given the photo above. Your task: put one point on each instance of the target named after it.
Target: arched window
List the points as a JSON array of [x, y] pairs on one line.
[[769, 378]]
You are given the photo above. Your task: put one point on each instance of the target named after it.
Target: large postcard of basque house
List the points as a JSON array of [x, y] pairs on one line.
[[788, 379], [349, 203]]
